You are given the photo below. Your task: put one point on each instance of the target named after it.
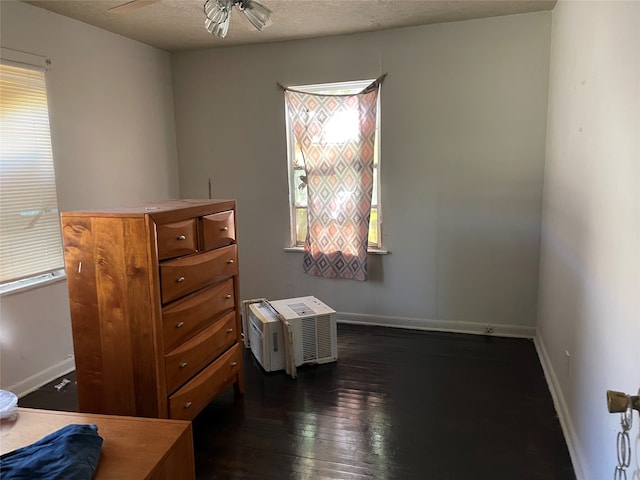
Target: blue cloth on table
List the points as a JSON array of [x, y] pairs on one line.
[[71, 453]]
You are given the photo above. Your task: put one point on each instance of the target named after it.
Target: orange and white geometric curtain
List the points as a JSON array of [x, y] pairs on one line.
[[336, 134]]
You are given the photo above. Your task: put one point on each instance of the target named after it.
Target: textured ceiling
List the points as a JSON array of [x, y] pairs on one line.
[[175, 25]]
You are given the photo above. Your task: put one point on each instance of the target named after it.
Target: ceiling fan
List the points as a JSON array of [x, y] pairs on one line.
[[217, 12]]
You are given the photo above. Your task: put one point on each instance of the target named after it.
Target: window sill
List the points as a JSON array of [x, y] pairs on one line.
[[31, 283], [370, 251]]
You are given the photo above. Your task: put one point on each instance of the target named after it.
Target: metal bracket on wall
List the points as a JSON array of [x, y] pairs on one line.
[[619, 402]]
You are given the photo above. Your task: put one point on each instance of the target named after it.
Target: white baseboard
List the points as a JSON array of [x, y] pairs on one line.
[[577, 458], [34, 382], [437, 325]]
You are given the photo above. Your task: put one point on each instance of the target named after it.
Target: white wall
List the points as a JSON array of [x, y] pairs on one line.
[[590, 267], [113, 140], [463, 138]]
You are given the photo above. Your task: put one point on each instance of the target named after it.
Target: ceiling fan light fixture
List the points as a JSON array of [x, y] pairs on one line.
[[218, 10], [256, 13], [217, 29], [218, 15]]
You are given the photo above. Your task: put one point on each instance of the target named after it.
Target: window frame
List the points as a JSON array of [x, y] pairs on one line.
[[28, 61], [348, 87]]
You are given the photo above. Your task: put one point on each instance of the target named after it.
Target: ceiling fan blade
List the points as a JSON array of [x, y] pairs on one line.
[[132, 5]]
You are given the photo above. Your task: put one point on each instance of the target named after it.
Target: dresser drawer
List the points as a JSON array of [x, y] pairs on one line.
[[195, 395], [185, 361], [218, 230], [183, 318], [177, 239], [185, 275]]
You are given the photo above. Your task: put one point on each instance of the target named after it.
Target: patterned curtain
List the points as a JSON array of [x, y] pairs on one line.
[[336, 134]]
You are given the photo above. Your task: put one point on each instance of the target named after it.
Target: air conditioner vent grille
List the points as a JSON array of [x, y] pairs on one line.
[[309, 339], [323, 324]]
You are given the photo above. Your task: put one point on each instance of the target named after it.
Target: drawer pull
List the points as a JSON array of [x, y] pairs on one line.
[[180, 279], [227, 296], [230, 260], [225, 229], [188, 404], [233, 364], [230, 330], [182, 237], [179, 324], [183, 364]]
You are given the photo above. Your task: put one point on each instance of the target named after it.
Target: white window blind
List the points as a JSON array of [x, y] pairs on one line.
[[30, 237]]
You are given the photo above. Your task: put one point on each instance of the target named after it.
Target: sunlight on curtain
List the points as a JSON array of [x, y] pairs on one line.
[[336, 134]]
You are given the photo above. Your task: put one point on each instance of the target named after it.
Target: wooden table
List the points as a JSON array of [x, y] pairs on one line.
[[133, 448]]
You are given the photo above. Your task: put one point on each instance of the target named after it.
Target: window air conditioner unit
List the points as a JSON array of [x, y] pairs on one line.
[[312, 325]]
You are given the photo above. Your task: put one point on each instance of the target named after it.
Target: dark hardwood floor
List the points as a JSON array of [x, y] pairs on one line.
[[398, 404]]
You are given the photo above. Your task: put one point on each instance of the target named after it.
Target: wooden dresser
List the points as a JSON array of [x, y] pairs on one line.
[[153, 292]]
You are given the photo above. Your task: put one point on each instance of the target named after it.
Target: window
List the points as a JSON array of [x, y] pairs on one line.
[[297, 176], [30, 236]]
